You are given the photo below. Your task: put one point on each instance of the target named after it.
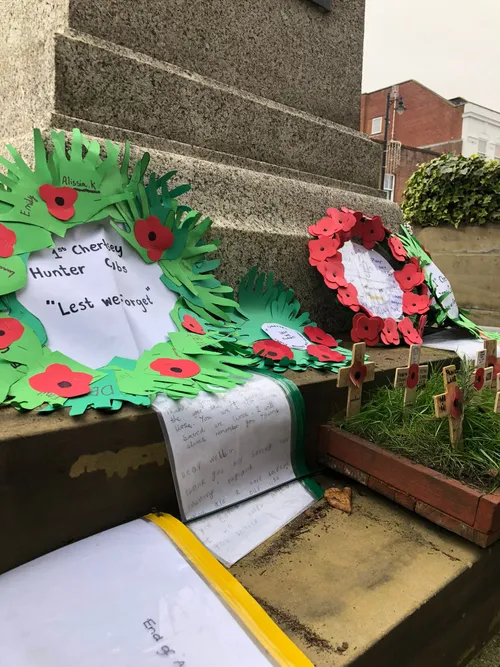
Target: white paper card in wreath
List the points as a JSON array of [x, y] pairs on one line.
[[286, 336], [373, 277], [126, 597], [225, 448], [96, 297], [442, 286]]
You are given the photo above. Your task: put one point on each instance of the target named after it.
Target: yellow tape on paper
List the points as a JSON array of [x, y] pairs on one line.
[[234, 595]]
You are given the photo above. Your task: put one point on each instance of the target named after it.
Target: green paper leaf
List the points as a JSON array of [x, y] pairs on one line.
[[25, 397], [9, 374], [28, 237], [104, 395], [13, 274]]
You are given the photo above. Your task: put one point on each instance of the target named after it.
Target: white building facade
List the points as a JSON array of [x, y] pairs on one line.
[[480, 131]]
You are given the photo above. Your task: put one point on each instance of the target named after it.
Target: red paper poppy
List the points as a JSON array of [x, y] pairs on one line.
[[317, 335], [333, 273], [153, 236], [321, 249], [370, 230], [272, 349], [366, 329], [345, 217], [10, 331], [60, 380], [389, 333], [7, 241], [397, 248], [456, 403], [490, 361], [325, 227], [409, 277], [191, 324], [357, 373], [348, 296], [421, 325], [323, 353], [410, 334], [60, 201], [479, 379], [412, 379], [415, 304], [175, 368]]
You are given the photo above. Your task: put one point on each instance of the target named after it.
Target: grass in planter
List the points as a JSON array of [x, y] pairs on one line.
[[416, 433]]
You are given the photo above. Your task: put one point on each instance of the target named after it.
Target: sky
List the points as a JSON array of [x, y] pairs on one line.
[[450, 46]]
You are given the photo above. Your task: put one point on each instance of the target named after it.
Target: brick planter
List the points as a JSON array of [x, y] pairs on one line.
[[448, 503]]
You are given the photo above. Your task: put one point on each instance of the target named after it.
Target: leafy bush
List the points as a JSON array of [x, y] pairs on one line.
[[455, 190]]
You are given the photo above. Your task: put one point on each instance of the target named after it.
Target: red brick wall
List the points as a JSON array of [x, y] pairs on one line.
[[411, 158], [428, 119]]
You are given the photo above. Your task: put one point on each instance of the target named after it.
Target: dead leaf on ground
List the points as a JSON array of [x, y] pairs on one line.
[[340, 499]]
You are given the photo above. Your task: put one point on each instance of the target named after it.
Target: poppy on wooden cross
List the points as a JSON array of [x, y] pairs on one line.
[[354, 376], [482, 377], [412, 376], [451, 404]]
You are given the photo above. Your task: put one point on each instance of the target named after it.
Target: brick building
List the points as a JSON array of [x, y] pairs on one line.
[[430, 125]]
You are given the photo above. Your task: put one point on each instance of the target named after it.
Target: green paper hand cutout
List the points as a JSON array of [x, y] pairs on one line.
[[52, 379], [12, 274], [271, 325]]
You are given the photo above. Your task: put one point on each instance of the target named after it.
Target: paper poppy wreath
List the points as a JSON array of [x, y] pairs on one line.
[[271, 326], [370, 271], [106, 292], [92, 262]]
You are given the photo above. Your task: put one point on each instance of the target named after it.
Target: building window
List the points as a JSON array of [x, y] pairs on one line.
[[482, 145], [497, 151], [376, 125], [389, 186]]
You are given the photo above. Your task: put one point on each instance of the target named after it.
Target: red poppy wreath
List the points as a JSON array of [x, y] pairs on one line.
[[371, 273]]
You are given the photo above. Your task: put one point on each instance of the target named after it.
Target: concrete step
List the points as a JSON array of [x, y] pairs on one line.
[[289, 51], [104, 83], [262, 219], [86, 474]]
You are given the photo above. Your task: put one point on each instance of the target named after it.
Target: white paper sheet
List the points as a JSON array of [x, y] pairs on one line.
[[373, 277], [96, 297], [233, 533], [227, 448], [442, 285], [454, 340], [286, 336], [123, 598]]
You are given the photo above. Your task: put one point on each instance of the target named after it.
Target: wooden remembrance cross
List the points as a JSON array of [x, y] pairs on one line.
[[412, 376], [450, 404], [354, 376], [482, 376]]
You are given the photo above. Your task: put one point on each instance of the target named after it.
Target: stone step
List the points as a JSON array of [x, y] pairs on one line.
[[104, 83], [289, 51], [262, 219], [85, 474]]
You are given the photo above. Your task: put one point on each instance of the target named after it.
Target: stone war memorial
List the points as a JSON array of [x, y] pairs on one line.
[[242, 416]]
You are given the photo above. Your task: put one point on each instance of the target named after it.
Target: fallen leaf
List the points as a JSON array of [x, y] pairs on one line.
[[339, 498]]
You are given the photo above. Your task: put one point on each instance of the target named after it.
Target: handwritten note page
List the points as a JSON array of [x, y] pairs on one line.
[[229, 447], [233, 533], [373, 277], [125, 597], [96, 297], [457, 341], [442, 286]]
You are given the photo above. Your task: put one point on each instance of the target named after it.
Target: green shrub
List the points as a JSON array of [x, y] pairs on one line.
[[454, 190]]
